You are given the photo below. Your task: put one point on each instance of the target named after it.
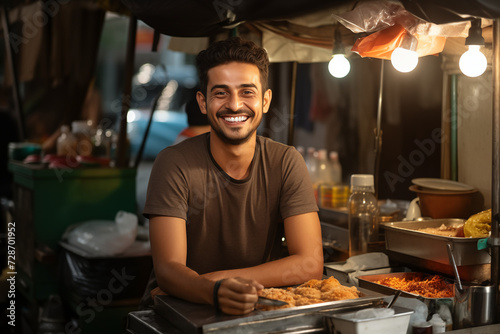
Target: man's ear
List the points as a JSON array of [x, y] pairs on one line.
[[266, 101], [202, 102]]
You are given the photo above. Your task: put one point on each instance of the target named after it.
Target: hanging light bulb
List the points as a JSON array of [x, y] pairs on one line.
[[405, 58], [473, 63], [338, 66]]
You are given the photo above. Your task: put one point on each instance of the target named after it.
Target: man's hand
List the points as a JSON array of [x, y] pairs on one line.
[[238, 295]]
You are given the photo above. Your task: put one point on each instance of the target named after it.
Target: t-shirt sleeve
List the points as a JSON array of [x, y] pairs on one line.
[[297, 195], [167, 188]]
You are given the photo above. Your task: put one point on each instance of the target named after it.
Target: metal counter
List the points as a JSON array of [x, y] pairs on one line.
[[173, 315], [150, 322]]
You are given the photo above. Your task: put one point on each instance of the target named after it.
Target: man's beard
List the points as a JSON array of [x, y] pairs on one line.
[[222, 136], [232, 141]]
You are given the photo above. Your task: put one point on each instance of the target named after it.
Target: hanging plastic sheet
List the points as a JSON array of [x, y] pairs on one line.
[[388, 22], [381, 44]]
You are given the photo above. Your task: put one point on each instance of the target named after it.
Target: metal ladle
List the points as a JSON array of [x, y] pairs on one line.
[[455, 269]]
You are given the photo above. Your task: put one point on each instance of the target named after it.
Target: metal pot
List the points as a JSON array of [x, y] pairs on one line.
[[474, 306]]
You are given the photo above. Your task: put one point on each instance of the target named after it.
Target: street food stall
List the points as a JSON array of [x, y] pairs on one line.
[[403, 241], [298, 32]]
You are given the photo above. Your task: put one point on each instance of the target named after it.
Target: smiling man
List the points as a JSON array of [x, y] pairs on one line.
[[217, 202]]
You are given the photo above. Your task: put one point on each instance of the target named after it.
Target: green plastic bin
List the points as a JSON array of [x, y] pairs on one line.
[[47, 201]]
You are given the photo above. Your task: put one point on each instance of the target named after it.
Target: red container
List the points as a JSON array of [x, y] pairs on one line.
[[439, 204]]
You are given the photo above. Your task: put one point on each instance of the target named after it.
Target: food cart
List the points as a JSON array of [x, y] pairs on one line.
[[234, 16], [171, 313]]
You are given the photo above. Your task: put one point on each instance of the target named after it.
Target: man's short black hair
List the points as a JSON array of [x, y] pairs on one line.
[[234, 49], [194, 115]]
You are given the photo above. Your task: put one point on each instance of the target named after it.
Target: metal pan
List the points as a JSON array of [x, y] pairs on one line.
[[193, 318], [433, 304], [404, 237]]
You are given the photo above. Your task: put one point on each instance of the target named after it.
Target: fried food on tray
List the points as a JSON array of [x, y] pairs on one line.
[[306, 292], [478, 225], [311, 292], [431, 287], [444, 230], [340, 293], [314, 283]]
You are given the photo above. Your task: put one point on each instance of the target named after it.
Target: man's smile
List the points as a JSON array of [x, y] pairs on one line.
[[234, 119]]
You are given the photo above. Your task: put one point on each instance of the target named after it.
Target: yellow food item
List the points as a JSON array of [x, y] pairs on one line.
[[478, 225]]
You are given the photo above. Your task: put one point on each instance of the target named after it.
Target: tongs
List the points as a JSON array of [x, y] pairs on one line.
[[455, 269], [270, 302]]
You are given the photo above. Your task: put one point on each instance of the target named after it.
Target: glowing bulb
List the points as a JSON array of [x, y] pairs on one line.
[[339, 66], [404, 60], [473, 62]]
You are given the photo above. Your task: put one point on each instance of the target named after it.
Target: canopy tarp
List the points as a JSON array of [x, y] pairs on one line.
[[196, 18], [300, 30]]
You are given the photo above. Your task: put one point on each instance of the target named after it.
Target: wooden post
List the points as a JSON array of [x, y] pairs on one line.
[[11, 61], [122, 156], [494, 239]]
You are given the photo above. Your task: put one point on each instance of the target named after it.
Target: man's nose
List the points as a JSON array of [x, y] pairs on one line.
[[234, 103]]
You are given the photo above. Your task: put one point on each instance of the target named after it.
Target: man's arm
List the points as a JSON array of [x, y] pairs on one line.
[[169, 250], [305, 260]]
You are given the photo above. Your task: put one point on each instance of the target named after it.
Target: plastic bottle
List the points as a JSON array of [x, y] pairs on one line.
[[445, 314], [83, 133], [66, 142], [311, 162], [363, 214], [324, 180], [102, 142], [335, 168], [438, 324], [302, 151], [323, 174]]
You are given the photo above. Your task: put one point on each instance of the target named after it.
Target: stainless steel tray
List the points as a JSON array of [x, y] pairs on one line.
[[403, 237], [332, 269], [369, 282], [197, 318], [433, 304]]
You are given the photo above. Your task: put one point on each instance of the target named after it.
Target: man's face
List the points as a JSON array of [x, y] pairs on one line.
[[235, 102]]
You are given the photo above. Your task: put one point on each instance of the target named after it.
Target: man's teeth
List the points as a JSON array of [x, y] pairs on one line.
[[236, 119]]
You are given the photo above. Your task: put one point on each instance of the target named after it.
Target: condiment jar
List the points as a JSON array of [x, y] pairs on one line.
[[83, 133], [422, 328], [438, 324], [66, 142]]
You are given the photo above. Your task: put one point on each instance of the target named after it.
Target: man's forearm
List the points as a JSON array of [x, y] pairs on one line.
[[291, 270], [178, 280]]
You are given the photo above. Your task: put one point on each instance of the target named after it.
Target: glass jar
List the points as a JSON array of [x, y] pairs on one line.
[[82, 130], [66, 143]]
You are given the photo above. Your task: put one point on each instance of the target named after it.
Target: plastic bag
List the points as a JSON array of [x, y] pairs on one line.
[[381, 44], [388, 22], [118, 278], [373, 16], [105, 237]]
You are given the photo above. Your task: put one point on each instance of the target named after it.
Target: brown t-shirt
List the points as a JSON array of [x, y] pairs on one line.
[[230, 223]]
